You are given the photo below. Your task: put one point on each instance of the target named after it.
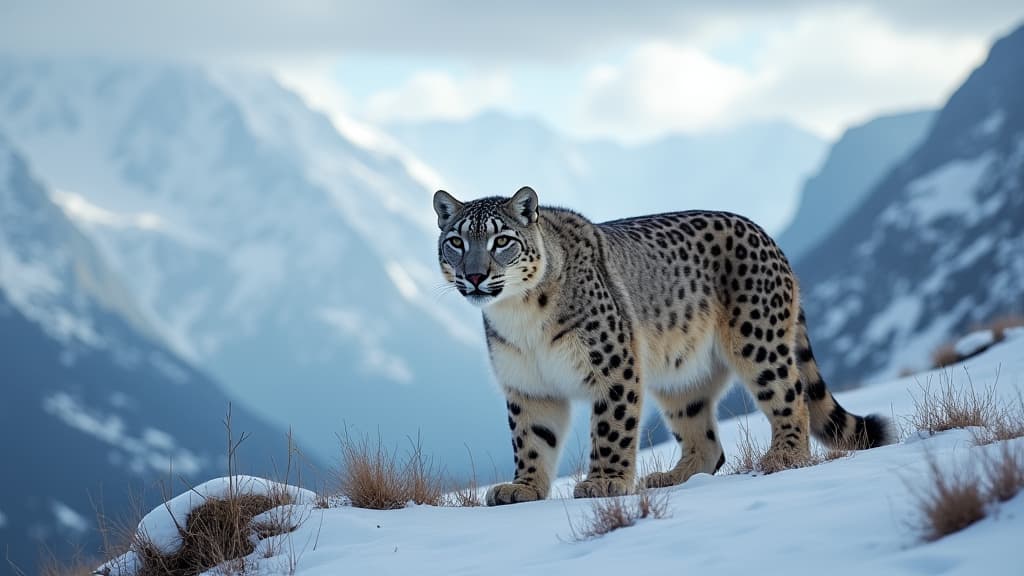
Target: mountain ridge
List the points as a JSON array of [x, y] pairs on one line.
[[933, 248], [288, 261], [855, 162], [88, 394], [607, 180]]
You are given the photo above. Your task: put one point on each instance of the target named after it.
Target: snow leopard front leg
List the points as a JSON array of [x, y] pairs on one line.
[[615, 419], [538, 427]]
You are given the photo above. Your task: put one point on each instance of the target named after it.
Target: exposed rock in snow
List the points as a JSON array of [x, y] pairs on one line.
[[161, 526], [974, 343]]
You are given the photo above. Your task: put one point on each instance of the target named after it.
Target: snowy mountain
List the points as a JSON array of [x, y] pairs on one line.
[[854, 515], [937, 244], [297, 266], [755, 169], [861, 157], [88, 393]]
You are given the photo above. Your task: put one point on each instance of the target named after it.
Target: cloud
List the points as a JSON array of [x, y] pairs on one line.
[[528, 29], [821, 63], [835, 67], [431, 95], [825, 70], [660, 88]]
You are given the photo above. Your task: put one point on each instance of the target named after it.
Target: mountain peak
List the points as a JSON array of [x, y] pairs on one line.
[[935, 246]]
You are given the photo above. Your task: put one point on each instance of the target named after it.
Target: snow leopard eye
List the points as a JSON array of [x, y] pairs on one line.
[[501, 241], [456, 242]]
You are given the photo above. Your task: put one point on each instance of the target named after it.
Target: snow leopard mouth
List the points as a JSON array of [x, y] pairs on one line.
[[480, 298]]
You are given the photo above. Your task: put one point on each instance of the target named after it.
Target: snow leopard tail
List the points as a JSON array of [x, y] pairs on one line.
[[831, 424]]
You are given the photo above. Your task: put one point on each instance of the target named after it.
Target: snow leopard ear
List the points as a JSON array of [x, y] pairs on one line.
[[447, 207], [523, 206]]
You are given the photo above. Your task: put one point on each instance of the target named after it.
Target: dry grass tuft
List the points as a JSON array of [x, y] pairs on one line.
[[49, 565], [751, 456], [992, 418], [945, 355], [953, 407], [218, 531], [749, 452], [953, 501], [579, 461], [1000, 325], [1004, 474], [467, 496], [830, 454], [950, 503], [373, 477], [1006, 423], [610, 514]]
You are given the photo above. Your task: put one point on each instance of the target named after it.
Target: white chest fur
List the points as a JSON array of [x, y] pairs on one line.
[[533, 362]]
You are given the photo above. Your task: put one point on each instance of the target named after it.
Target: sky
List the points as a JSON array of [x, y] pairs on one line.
[[628, 72]]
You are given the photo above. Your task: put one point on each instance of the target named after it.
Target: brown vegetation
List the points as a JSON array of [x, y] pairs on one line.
[[218, 531], [609, 514], [1004, 474], [992, 418], [953, 406], [947, 355], [374, 477], [751, 456], [953, 501]]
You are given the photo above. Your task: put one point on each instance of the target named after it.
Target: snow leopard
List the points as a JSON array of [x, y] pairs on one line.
[[669, 305]]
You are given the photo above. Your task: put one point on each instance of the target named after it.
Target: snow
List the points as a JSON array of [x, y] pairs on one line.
[[948, 191], [981, 246], [856, 515], [127, 564], [846, 307], [85, 212], [34, 289], [68, 518], [405, 283], [260, 269], [351, 324], [974, 342], [991, 124], [160, 526], [158, 438], [901, 314], [916, 347], [152, 450], [360, 133]]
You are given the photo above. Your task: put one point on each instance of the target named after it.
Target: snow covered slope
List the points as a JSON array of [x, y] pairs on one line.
[[296, 265], [938, 243], [850, 516], [755, 169], [92, 406], [855, 163]]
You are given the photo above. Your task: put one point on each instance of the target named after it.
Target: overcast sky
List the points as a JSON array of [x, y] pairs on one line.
[[625, 70]]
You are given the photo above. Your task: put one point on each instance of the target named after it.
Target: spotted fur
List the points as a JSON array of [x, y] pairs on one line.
[[671, 304]]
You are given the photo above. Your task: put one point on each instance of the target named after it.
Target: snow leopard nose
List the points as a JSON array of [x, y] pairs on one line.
[[476, 279]]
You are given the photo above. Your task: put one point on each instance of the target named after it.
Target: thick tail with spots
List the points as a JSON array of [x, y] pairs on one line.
[[831, 424]]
